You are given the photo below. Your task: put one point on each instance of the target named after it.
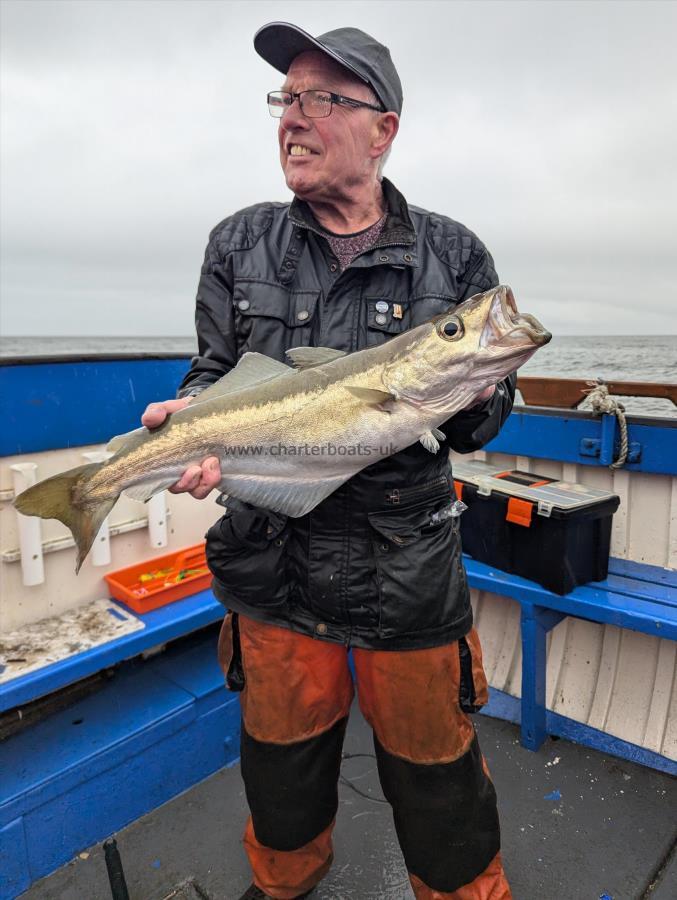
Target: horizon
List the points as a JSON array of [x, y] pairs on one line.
[[169, 335]]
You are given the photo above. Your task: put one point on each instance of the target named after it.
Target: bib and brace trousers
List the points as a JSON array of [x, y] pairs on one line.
[[429, 761]]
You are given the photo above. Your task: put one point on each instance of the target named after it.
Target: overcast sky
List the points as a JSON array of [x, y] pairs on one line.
[[130, 128]]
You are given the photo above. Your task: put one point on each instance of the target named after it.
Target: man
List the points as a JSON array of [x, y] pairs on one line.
[[348, 264]]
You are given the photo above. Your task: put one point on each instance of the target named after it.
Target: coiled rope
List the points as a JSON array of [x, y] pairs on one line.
[[602, 402]]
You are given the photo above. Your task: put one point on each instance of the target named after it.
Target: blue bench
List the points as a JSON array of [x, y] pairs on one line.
[[161, 626], [634, 595], [155, 729]]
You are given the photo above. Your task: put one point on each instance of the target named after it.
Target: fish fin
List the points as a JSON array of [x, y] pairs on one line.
[[53, 499], [147, 489], [372, 396], [306, 357], [439, 434], [429, 441], [118, 442], [253, 368], [291, 498]]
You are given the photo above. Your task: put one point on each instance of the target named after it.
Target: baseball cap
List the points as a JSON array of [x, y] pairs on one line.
[[280, 42]]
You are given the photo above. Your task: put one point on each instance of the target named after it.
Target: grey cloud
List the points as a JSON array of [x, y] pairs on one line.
[[130, 128]]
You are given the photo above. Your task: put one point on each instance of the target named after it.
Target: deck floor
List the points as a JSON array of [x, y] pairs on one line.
[[577, 825]]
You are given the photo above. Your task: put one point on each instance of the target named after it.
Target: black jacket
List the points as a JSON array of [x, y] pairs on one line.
[[366, 567]]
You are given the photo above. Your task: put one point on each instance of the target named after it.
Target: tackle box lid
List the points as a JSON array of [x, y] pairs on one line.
[[547, 494]]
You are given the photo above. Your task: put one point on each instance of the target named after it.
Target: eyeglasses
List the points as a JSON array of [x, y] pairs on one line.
[[314, 104]]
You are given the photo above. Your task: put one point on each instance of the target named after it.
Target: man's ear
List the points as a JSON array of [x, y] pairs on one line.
[[386, 127]]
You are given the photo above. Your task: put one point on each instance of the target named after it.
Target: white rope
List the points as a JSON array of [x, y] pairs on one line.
[[602, 402]]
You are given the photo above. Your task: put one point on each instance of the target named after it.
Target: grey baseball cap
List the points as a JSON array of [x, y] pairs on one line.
[[280, 42]]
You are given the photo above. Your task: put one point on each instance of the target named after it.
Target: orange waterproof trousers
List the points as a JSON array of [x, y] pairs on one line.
[[295, 704]]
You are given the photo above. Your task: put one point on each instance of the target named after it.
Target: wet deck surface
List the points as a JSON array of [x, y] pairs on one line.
[[577, 825]]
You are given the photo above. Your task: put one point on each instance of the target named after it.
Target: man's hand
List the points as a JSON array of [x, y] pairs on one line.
[[481, 397], [198, 481]]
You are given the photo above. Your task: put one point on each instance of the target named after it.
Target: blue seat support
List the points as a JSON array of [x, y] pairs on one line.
[[536, 622], [634, 595]]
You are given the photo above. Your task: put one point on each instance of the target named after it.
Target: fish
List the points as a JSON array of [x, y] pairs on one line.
[[287, 436]]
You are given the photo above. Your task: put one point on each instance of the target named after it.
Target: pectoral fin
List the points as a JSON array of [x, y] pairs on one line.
[[373, 397]]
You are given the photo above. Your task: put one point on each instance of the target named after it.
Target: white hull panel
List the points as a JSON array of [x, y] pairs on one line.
[[62, 590], [615, 680]]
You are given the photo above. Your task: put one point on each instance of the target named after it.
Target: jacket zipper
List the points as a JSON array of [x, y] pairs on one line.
[[397, 495]]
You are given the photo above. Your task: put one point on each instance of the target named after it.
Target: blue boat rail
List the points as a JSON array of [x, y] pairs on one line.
[[42, 402]]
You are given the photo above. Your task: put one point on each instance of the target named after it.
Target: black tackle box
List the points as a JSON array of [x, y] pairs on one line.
[[553, 532]]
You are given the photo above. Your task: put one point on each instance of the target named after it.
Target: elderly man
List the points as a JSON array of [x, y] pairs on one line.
[[348, 264]]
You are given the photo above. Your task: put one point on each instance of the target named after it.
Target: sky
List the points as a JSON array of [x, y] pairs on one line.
[[128, 129]]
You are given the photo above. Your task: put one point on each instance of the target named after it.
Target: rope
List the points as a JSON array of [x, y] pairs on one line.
[[602, 402]]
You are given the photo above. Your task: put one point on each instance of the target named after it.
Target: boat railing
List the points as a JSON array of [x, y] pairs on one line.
[[569, 393]]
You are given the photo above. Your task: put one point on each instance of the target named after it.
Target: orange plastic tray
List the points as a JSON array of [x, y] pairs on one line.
[[172, 576]]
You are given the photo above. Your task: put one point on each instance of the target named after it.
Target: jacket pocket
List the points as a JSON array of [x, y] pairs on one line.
[[246, 553], [419, 572], [474, 689], [387, 318], [270, 319]]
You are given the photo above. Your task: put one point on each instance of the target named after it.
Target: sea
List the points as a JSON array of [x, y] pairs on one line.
[[587, 357]]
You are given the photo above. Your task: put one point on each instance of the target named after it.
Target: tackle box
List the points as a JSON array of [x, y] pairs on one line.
[[163, 579], [553, 532]]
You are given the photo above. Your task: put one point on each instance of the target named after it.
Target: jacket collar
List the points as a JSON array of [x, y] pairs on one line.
[[398, 228]]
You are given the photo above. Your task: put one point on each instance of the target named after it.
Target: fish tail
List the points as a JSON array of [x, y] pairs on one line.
[[57, 498]]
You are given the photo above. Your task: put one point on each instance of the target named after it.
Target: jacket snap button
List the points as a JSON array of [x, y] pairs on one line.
[[243, 305], [408, 257], [380, 319], [383, 547], [382, 306], [333, 267], [384, 258], [321, 628], [278, 542], [303, 315], [289, 264]]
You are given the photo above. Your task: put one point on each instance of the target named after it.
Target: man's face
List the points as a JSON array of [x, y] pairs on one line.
[[339, 144]]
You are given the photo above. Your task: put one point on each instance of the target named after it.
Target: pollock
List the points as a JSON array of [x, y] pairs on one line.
[[264, 419]]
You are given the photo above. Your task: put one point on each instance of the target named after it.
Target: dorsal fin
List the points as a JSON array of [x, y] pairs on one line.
[[253, 368], [115, 443], [307, 357]]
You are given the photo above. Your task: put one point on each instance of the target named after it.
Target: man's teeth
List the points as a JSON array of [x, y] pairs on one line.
[[298, 150]]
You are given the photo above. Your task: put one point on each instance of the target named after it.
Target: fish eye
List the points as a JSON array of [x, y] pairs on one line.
[[451, 329]]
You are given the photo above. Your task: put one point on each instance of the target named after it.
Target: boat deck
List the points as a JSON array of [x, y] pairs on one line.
[[577, 825]]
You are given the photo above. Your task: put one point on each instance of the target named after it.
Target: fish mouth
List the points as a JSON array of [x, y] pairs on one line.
[[507, 328]]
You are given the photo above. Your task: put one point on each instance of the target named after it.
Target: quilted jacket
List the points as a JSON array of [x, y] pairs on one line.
[[367, 567]]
